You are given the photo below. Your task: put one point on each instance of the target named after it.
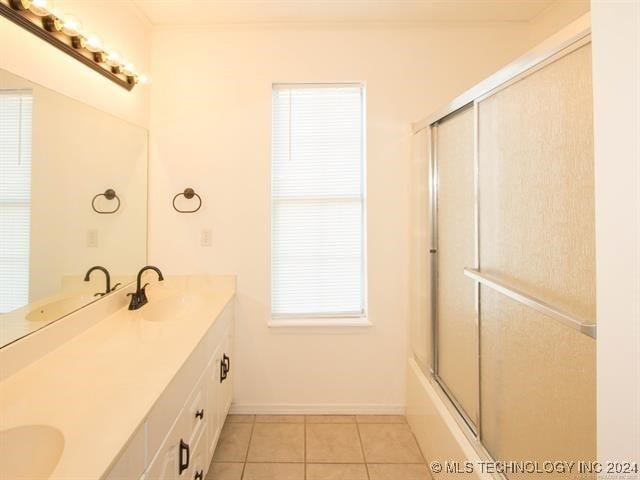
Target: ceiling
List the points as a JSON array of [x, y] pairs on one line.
[[194, 12]]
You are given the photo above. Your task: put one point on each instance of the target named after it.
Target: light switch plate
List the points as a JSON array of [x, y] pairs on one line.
[[92, 238], [206, 237]]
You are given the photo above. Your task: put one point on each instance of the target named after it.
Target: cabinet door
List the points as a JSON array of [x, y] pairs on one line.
[[166, 464], [213, 379], [165, 467]]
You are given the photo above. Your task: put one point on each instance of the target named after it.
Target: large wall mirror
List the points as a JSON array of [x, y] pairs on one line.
[[73, 195]]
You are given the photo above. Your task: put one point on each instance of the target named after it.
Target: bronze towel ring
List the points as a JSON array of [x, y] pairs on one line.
[[188, 193], [109, 194]]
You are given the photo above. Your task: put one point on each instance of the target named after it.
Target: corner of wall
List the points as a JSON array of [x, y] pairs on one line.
[[558, 15]]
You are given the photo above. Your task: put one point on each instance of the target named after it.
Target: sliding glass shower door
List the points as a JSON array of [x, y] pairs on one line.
[[457, 330], [514, 264], [537, 235]]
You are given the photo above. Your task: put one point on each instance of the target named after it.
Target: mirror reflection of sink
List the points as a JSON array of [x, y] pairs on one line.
[[171, 307], [29, 452], [51, 311]]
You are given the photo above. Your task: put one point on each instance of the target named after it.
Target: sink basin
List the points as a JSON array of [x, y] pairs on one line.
[[58, 308], [171, 307], [29, 452]]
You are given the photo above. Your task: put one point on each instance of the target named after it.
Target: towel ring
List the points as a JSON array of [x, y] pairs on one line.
[[109, 194], [188, 193]]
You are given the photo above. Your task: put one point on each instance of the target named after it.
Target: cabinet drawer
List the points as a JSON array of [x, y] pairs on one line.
[[196, 411], [198, 464]]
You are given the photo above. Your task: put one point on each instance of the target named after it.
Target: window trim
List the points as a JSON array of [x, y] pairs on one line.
[[336, 319], [320, 322]]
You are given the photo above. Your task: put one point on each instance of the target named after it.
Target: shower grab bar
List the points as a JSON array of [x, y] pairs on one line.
[[537, 304]]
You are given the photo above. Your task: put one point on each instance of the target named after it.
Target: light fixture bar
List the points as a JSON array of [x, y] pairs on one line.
[[49, 28]]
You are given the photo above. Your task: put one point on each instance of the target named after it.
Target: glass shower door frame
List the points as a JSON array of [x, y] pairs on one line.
[[471, 429]]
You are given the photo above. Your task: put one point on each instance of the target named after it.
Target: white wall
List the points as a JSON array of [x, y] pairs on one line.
[[211, 129], [616, 78], [121, 26]]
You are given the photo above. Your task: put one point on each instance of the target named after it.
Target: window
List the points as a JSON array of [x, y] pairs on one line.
[[318, 203], [15, 198]]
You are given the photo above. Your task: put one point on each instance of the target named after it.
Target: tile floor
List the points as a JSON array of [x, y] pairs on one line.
[[317, 447]]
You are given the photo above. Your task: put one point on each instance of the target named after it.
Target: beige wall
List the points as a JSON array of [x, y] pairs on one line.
[[122, 28], [616, 78], [211, 129], [555, 17]]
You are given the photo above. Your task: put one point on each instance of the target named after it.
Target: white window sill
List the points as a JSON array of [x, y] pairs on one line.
[[319, 322]]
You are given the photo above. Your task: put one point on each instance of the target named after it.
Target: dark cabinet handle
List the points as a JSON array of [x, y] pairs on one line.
[[200, 414], [223, 371], [183, 461], [227, 362], [198, 475]]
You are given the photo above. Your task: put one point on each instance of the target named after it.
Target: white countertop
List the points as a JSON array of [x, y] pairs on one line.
[[98, 387]]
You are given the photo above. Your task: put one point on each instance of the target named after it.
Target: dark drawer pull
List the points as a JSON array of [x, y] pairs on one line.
[[183, 461], [200, 414], [227, 362], [223, 371], [198, 475]]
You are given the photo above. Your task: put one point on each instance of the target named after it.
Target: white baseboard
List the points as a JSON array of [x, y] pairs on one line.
[[306, 409]]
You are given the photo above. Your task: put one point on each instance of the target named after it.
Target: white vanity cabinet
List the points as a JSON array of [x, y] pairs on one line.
[[182, 429]]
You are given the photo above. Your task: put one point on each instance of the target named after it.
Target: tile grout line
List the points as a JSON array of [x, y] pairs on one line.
[[306, 423], [366, 465], [246, 456]]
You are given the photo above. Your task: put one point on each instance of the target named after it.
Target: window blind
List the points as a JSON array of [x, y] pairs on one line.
[[15, 197], [318, 201]]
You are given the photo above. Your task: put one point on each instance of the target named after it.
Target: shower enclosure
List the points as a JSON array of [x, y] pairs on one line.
[[504, 271]]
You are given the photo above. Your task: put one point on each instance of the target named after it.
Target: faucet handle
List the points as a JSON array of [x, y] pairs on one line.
[[141, 296], [115, 286], [135, 300]]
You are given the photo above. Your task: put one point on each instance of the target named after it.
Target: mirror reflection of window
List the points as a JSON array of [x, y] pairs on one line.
[[15, 197]]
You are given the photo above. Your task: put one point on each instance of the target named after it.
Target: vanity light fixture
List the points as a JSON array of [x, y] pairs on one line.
[[65, 33]]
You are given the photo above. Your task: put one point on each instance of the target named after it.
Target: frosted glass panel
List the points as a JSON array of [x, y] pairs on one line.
[[420, 275], [457, 331], [538, 385], [537, 185], [536, 203]]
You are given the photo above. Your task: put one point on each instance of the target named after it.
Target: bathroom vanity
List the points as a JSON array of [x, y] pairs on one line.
[[129, 395]]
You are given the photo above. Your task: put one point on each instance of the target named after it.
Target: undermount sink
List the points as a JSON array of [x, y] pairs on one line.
[[171, 307], [29, 452], [58, 308]]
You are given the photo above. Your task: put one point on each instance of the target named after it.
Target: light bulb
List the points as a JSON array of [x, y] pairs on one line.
[[70, 25], [113, 58], [143, 79], [129, 69], [94, 43], [42, 8]]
